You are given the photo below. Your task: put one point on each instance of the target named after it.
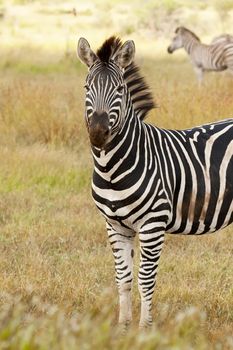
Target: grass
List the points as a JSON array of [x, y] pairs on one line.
[[56, 267]]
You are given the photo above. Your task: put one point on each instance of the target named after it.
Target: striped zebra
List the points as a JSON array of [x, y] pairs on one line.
[[217, 56], [148, 180], [227, 38]]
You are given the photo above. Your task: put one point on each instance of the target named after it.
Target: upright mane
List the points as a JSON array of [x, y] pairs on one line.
[[109, 49], [140, 93], [189, 31]]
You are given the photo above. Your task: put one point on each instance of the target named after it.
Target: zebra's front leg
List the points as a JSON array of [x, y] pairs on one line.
[[150, 249], [123, 252], [199, 73]]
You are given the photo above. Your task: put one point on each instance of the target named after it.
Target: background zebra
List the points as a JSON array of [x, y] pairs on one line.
[[149, 180], [227, 38], [217, 56]]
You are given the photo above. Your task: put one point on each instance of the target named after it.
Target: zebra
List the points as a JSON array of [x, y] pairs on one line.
[[149, 181], [227, 38], [217, 56]]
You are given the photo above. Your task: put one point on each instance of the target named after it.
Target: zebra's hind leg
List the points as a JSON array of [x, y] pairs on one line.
[[123, 252], [151, 243]]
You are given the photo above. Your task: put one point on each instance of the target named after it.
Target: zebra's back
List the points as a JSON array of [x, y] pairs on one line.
[[202, 198]]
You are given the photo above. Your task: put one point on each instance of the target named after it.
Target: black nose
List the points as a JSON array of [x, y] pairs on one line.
[[169, 49], [99, 128]]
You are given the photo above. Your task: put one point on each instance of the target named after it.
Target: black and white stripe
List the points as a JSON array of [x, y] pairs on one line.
[[217, 56], [152, 181]]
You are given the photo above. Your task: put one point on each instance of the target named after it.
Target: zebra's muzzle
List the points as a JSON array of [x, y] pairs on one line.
[[169, 49], [99, 129]]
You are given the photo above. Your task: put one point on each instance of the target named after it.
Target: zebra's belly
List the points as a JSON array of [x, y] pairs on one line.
[[209, 66], [201, 227], [212, 217], [215, 69]]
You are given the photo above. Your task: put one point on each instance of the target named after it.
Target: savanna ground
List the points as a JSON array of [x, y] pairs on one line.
[[56, 268]]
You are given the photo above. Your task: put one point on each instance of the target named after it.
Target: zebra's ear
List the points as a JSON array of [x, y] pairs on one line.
[[126, 54], [85, 52], [179, 30]]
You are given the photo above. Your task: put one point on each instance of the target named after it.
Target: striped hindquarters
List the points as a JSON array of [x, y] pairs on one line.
[[201, 178]]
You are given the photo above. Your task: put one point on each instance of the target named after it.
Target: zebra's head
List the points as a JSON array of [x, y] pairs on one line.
[[177, 41], [182, 34], [106, 89]]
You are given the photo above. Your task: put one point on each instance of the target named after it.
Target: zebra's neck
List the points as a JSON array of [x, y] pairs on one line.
[[190, 43]]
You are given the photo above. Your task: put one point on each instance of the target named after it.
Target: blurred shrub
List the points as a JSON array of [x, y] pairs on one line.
[[223, 5]]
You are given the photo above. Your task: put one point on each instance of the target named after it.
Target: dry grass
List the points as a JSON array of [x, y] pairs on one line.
[[56, 268], [53, 241]]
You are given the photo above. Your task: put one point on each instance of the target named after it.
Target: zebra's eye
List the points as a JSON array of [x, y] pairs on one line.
[[120, 89], [87, 87]]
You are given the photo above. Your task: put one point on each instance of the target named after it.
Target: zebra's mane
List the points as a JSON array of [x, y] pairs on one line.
[[187, 30], [109, 49], [140, 93]]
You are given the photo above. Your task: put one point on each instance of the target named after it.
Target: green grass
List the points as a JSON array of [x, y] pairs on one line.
[[40, 169], [56, 267]]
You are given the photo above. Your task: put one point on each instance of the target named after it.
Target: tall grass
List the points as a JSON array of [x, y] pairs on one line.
[[93, 330], [36, 109], [53, 240]]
